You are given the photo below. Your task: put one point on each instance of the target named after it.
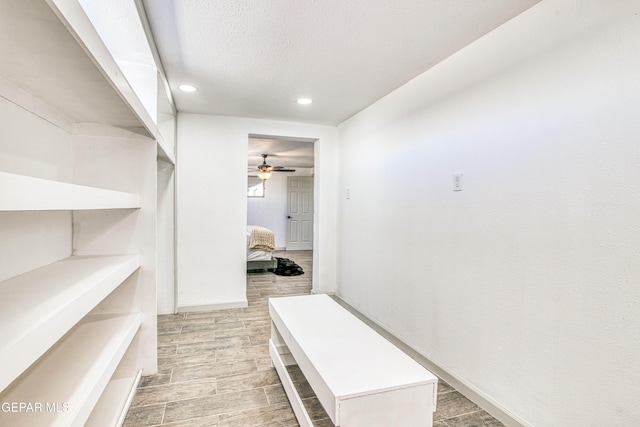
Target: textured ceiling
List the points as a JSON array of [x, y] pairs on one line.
[[254, 58]]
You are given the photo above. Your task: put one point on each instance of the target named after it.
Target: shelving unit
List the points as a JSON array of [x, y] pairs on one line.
[[39, 307], [96, 347], [78, 213]]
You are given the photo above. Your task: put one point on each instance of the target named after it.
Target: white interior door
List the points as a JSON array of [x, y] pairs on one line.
[[299, 213]]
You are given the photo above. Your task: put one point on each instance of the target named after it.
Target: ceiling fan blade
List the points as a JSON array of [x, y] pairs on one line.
[[268, 168]]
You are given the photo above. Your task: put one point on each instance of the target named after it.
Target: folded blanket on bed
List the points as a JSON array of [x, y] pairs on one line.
[[262, 239]]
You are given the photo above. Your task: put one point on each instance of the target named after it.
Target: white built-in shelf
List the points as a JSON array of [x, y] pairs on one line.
[[73, 366], [72, 376], [112, 407], [164, 151], [25, 193], [49, 63], [61, 71], [41, 306]]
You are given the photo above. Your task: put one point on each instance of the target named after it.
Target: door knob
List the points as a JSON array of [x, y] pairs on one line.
[[289, 216]]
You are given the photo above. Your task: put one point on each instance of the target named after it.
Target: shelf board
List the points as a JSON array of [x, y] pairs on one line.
[[114, 403], [61, 70], [25, 193], [71, 390], [37, 308]]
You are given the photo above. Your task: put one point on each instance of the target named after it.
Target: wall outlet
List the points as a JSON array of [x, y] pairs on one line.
[[457, 182], [348, 193]]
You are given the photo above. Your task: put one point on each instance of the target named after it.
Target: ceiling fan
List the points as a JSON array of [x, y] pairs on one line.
[[265, 169]]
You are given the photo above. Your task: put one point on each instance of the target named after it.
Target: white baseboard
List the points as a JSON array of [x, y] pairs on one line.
[[469, 391], [211, 307]]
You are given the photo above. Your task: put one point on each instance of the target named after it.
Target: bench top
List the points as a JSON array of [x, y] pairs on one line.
[[351, 358]]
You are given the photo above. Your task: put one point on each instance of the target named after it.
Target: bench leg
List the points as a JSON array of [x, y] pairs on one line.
[[289, 388], [281, 347]]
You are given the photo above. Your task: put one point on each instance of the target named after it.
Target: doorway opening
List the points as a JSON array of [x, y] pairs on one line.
[[281, 200]]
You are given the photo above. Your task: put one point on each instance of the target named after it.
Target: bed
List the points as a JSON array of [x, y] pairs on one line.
[[260, 247]]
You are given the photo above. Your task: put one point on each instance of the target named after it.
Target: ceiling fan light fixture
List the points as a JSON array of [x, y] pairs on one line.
[[265, 169], [264, 175]]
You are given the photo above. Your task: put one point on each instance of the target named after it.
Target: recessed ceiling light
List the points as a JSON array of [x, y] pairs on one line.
[[187, 88], [304, 101]]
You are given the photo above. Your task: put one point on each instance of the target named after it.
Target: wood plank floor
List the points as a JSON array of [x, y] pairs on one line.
[[214, 368]]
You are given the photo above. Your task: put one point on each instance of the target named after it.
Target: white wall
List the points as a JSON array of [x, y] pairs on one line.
[[212, 206], [271, 210], [525, 286], [30, 146]]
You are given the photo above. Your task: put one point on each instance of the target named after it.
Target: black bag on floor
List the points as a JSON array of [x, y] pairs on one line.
[[286, 267]]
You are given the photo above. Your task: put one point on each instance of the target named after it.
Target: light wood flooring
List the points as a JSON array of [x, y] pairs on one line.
[[214, 369]]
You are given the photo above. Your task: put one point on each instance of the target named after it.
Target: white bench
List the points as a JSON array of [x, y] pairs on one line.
[[359, 377]]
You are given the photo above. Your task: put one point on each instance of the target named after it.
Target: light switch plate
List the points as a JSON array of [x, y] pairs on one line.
[[457, 182]]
